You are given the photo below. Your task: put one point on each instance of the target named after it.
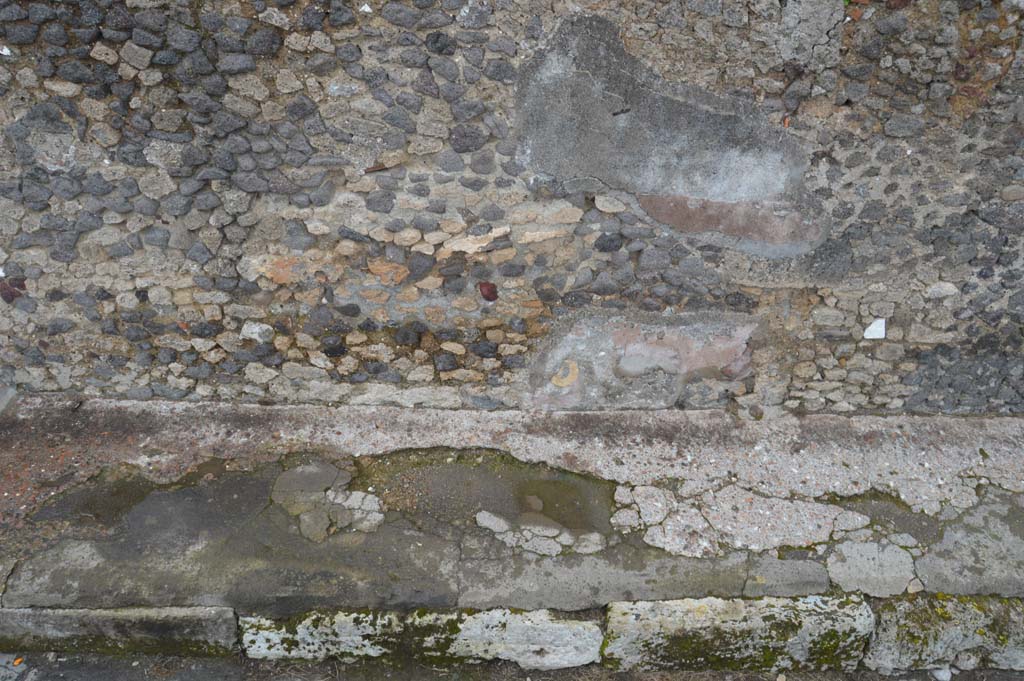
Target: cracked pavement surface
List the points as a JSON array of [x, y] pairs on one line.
[[258, 508]]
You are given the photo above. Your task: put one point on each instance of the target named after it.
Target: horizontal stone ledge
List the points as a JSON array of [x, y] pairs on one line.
[[198, 631], [534, 640], [812, 633]]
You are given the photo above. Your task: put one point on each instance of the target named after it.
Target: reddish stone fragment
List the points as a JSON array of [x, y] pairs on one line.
[[488, 290]]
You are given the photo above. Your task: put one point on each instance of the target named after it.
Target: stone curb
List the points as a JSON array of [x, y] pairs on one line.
[[770, 635], [201, 631]]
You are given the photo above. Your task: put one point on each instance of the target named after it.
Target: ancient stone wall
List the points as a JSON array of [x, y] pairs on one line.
[[763, 205]]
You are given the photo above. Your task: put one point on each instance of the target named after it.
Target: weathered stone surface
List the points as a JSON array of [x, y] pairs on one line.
[[773, 577], [872, 568], [575, 582], [933, 632], [533, 640], [982, 552], [588, 109], [185, 631], [597, 362], [343, 635], [768, 635]]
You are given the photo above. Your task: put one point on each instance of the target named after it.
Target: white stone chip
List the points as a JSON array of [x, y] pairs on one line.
[[875, 330]]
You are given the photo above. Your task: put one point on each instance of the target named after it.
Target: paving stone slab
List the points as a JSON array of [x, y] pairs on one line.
[[936, 631], [184, 631], [767, 635]]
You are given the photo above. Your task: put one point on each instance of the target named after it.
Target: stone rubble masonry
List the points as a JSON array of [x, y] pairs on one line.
[[768, 635], [441, 202]]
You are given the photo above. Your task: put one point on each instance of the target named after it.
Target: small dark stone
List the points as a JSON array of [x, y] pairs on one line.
[[264, 42], [484, 349], [441, 43], [407, 334], [466, 138], [380, 201], [182, 39], [300, 107], [401, 15], [199, 253], [236, 63], [21, 34], [340, 14], [500, 70], [59, 326], [608, 243], [445, 361]]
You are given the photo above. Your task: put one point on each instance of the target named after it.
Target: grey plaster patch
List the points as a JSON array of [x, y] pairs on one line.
[[221, 542], [872, 568], [768, 634], [579, 582], [933, 632], [190, 631], [982, 552], [704, 164], [770, 576], [600, 361], [8, 400]]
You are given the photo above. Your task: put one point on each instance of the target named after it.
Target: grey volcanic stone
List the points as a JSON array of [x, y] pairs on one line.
[[236, 63], [904, 125], [465, 138]]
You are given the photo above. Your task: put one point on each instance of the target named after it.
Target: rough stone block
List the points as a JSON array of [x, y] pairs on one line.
[[767, 635], [935, 631], [533, 640], [183, 631]]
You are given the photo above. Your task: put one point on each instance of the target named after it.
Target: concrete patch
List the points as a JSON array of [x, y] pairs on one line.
[[641, 362], [872, 568], [707, 165], [982, 552], [933, 632], [773, 577], [768, 635], [183, 631], [579, 582]]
